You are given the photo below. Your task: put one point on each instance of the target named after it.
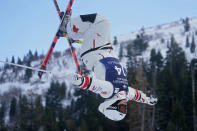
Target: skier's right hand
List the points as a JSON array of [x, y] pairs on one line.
[[75, 79], [83, 82]]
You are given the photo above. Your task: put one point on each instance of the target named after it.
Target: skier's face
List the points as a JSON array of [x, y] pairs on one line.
[[123, 106]]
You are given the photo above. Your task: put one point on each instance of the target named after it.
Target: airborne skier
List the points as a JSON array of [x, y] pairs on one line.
[[110, 80]]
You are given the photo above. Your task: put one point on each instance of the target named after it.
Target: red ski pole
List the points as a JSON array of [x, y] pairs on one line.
[[58, 9], [43, 67], [69, 40]]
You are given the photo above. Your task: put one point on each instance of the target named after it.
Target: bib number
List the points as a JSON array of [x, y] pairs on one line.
[[120, 70]]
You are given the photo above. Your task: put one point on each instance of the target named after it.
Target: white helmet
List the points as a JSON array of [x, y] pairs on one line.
[[113, 108]]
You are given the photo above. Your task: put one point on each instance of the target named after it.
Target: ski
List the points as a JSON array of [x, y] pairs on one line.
[[58, 9], [74, 56], [70, 41], [57, 35]]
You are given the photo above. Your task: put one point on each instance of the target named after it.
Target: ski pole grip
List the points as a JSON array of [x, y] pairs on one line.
[[41, 72]]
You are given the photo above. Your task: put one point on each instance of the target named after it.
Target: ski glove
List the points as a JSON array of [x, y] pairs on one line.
[[75, 79], [82, 81]]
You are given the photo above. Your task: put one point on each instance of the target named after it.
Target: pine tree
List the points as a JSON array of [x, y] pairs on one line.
[[84, 126], [153, 58], [194, 92], [13, 112], [153, 67], [25, 59], [87, 104], [63, 116], [100, 128], [173, 81], [115, 41], [28, 72], [121, 52], [193, 45], [35, 55], [13, 67], [2, 114], [156, 61], [162, 40], [54, 96], [156, 65], [140, 43], [159, 61], [164, 94], [171, 126], [19, 61], [187, 42], [30, 56], [186, 25], [51, 94], [13, 59], [6, 66], [38, 113], [137, 117], [175, 57], [131, 63], [178, 116], [23, 112], [130, 54]]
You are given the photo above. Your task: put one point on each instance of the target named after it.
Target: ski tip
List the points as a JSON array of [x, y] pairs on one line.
[[40, 74]]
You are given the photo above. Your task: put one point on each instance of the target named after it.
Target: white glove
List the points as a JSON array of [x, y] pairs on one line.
[[75, 79], [152, 100], [83, 82]]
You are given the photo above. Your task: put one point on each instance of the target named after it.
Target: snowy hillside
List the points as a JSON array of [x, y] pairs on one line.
[[160, 35], [62, 63]]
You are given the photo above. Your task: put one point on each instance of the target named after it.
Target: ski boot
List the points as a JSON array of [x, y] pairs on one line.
[[152, 100], [65, 20]]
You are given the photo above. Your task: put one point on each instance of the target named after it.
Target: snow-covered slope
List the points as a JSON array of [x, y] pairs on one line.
[[63, 63], [165, 31], [60, 64]]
